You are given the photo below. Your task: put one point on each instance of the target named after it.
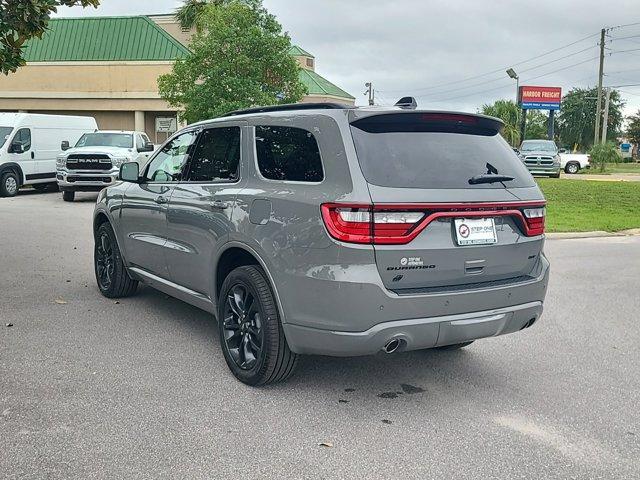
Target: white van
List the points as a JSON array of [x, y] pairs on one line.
[[29, 145]]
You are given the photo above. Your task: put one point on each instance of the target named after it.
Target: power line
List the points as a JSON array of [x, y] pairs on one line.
[[511, 84], [624, 26], [448, 91], [455, 82], [624, 51], [624, 86]]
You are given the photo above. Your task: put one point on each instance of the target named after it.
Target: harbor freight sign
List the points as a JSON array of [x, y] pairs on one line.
[[540, 98]]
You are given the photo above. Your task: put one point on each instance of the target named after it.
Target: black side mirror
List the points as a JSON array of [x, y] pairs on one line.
[[64, 146], [130, 172], [562, 150], [16, 148]]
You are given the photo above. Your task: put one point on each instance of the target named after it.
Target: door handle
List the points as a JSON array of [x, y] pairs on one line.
[[33, 155], [219, 205], [161, 200]]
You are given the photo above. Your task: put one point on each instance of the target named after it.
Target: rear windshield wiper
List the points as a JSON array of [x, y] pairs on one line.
[[489, 178]]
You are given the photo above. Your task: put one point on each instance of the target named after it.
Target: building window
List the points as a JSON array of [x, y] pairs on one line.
[[310, 62], [287, 153]]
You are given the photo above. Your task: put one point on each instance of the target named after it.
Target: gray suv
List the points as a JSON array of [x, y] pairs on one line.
[[331, 230]]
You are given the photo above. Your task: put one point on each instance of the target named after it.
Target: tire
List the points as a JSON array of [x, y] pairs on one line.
[[68, 196], [111, 275], [557, 175], [455, 346], [251, 334], [9, 184], [572, 168]]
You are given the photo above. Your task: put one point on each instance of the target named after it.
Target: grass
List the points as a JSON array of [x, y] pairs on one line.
[[584, 206], [614, 168]]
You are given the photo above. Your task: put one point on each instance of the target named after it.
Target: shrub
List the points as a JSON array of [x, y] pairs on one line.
[[604, 153]]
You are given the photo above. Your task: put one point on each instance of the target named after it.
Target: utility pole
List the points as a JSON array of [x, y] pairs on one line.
[[371, 92], [603, 32], [605, 121]]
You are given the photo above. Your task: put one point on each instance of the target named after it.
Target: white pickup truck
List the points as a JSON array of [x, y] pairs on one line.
[[94, 162], [573, 162]]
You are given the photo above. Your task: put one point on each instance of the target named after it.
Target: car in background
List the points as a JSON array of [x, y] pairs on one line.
[[541, 157], [572, 163], [29, 145], [94, 162]]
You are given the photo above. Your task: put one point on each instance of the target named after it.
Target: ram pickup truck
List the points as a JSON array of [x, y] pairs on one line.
[[94, 162], [573, 162], [541, 157]]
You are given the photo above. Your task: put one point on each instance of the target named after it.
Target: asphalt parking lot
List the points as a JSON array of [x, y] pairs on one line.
[[93, 388]]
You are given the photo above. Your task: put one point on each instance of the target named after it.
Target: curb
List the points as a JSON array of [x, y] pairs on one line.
[[596, 234]]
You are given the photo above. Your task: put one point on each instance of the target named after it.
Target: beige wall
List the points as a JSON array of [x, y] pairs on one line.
[[133, 79], [170, 25], [109, 92]]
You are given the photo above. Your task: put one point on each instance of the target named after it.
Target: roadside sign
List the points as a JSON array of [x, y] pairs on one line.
[[166, 125], [540, 98]]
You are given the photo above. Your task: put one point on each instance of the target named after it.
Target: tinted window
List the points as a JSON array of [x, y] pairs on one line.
[[119, 140], [286, 153], [169, 164], [23, 137], [434, 151], [217, 156]]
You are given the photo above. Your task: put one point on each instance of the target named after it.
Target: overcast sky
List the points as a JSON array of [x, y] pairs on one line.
[[431, 48]]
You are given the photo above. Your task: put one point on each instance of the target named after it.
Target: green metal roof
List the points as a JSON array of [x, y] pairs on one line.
[[318, 85], [296, 51], [104, 39]]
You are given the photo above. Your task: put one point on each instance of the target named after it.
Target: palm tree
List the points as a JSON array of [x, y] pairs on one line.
[[191, 12], [509, 113]]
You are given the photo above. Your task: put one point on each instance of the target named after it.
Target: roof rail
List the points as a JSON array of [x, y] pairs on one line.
[[290, 107]]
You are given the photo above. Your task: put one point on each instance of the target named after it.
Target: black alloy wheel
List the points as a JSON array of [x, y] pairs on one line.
[[242, 326]]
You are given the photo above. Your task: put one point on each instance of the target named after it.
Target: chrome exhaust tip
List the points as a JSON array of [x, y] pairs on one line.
[[391, 346]]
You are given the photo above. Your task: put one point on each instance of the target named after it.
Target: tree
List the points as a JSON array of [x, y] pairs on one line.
[[21, 20], [576, 122], [509, 113], [604, 153], [633, 130], [536, 125], [239, 58], [191, 13]]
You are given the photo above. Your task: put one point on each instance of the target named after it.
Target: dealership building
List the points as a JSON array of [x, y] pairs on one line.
[[108, 67]]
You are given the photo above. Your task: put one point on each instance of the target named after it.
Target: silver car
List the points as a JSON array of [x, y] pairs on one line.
[[331, 230]]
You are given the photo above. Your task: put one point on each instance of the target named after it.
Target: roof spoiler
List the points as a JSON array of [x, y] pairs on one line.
[[408, 103]]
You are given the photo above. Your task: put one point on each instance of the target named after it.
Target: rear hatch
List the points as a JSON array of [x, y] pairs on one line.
[[453, 207]]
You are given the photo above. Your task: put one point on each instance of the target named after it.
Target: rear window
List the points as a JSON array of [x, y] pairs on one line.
[[287, 153], [417, 150]]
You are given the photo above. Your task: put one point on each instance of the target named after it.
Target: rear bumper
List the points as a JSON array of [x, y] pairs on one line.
[[86, 180], [358, 318], [414, 334]]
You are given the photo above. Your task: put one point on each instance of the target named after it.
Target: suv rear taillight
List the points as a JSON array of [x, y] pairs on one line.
[[400, 224], [534, 217]]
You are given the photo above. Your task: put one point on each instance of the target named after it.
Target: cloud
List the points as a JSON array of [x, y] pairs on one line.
[[425, 48]]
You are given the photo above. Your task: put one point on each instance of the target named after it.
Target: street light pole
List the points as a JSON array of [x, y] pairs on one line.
[[512, 74]]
